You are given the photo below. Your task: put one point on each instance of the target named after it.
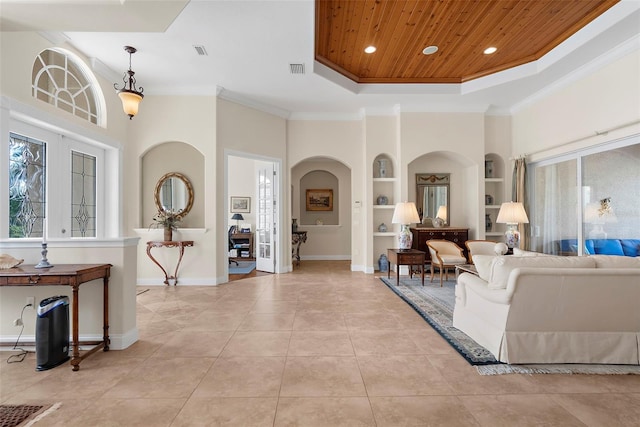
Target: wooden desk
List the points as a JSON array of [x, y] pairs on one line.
[[169, 244], [297, 238], [73, 275], [243, 242], [408, 257]]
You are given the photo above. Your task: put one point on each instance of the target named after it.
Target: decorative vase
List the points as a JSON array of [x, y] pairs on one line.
[[383, 263], [168, 234], [487, 223], [294, 224], [488, 168], [382, 168], [382, 200], [382, 228], [405, 238], [437, 222]]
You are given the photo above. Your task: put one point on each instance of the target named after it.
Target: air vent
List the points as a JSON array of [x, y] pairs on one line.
[[200, 50], [296, 68]]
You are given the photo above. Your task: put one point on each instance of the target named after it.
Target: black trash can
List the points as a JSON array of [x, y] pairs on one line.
[[52, 332]]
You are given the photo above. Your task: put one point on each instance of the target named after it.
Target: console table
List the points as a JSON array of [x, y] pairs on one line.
[[297, 238], [169, 244], [73, 275], [408, 257]]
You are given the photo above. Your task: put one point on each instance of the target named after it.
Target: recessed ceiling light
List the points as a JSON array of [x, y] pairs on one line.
[[369, 49], [430, 50], [490, 50]]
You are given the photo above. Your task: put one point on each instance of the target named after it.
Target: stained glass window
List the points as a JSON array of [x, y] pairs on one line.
[[83, 194], [27, 186]]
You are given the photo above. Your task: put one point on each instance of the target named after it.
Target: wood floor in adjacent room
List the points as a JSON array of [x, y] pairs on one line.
[[322, 346]]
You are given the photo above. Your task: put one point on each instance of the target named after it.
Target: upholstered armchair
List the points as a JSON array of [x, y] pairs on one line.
[[480, 247], [444, 255]]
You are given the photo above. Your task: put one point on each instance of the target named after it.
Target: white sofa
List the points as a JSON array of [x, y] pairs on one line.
[[551, 309]]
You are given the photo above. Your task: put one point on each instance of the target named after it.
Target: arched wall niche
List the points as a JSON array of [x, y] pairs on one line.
[[332, 238], [173, 157], [463, 190]]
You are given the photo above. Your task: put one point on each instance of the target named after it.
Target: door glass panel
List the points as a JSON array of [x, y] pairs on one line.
[[27, 186]]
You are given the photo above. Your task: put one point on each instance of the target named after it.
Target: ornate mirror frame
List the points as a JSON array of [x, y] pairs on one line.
[[189, 188], [435, 185]]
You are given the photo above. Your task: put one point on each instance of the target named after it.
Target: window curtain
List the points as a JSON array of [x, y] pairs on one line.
[[519, 194]]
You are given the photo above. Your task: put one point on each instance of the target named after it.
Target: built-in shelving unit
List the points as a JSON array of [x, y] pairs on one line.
[[384, 184], [494, 193]]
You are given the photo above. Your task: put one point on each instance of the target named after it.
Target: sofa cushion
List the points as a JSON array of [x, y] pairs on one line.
[[483, 265], [631, 247], [522, 252], [605, 246], [615, 261], [502, 266]]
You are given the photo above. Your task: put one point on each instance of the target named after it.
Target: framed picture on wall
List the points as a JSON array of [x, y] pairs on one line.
[[320, 200], [240, 204]]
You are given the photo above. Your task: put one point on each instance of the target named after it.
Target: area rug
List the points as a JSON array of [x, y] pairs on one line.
[[243, 267], [435, 304], [14, 415]]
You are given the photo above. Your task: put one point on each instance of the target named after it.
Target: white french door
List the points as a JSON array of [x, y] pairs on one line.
[[266, 217]]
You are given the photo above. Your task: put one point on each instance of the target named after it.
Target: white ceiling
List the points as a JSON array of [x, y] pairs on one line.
[[250, 45]]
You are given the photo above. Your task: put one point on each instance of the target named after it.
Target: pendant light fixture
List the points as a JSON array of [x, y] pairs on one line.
[[130, 95]]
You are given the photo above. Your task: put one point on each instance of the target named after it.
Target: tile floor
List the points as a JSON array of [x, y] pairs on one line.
[[321, 346]]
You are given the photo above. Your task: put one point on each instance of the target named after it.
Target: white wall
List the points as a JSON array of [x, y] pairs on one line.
[[605, 99]]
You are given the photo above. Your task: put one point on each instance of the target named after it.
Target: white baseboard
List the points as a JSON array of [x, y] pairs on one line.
[[326, 257], [181, 282]]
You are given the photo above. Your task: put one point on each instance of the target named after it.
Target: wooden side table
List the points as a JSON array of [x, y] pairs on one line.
[[408, 257], [169, 244]]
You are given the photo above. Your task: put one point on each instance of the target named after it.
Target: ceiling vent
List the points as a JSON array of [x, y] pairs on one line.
[[200, 50], [296, 68]]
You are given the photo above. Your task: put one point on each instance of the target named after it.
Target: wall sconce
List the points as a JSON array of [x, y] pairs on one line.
[[130, 96]]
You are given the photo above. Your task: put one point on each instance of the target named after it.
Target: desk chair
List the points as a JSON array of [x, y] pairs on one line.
[[232, 243]]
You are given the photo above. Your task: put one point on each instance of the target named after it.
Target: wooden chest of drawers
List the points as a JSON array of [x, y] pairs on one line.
[[452, 234]]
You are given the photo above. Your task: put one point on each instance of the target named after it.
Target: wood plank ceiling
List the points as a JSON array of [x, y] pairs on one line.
[[521, 30]]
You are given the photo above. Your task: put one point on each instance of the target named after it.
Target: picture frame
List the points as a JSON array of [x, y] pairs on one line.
[[240, 204], [320, 199]]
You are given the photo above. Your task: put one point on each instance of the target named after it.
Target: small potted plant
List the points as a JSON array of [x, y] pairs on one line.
[[168, 220]]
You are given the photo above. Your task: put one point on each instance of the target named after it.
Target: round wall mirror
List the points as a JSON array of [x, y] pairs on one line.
[[174, 193]]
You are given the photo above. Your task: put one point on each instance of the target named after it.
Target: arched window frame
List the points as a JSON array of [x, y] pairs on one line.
[[86, 85]]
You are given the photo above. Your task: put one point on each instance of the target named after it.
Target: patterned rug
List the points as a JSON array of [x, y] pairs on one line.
[[435, 305]]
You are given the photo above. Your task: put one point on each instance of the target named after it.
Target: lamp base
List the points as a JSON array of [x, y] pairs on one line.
[[405, 238], [512, 236]]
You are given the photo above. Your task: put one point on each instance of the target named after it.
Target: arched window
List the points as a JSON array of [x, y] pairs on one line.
[[62, 79]]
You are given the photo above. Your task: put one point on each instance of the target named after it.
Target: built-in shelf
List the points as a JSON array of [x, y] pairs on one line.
[[384, 179], [494, 180], [492, 206], [386, 233], [383, 206]]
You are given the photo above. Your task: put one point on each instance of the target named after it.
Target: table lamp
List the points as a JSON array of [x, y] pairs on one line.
[[405, 214], [512, 214], [238, 217]]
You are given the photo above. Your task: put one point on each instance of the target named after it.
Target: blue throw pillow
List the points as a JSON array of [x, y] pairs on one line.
[[631, 247], [606, 246]]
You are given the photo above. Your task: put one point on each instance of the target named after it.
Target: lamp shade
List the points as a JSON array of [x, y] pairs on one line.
[[130, 101], [405, 213], [442, 213], [237, 217], [512, 213]]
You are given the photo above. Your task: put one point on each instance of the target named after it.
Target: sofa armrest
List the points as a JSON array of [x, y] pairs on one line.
[[468, 282]]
